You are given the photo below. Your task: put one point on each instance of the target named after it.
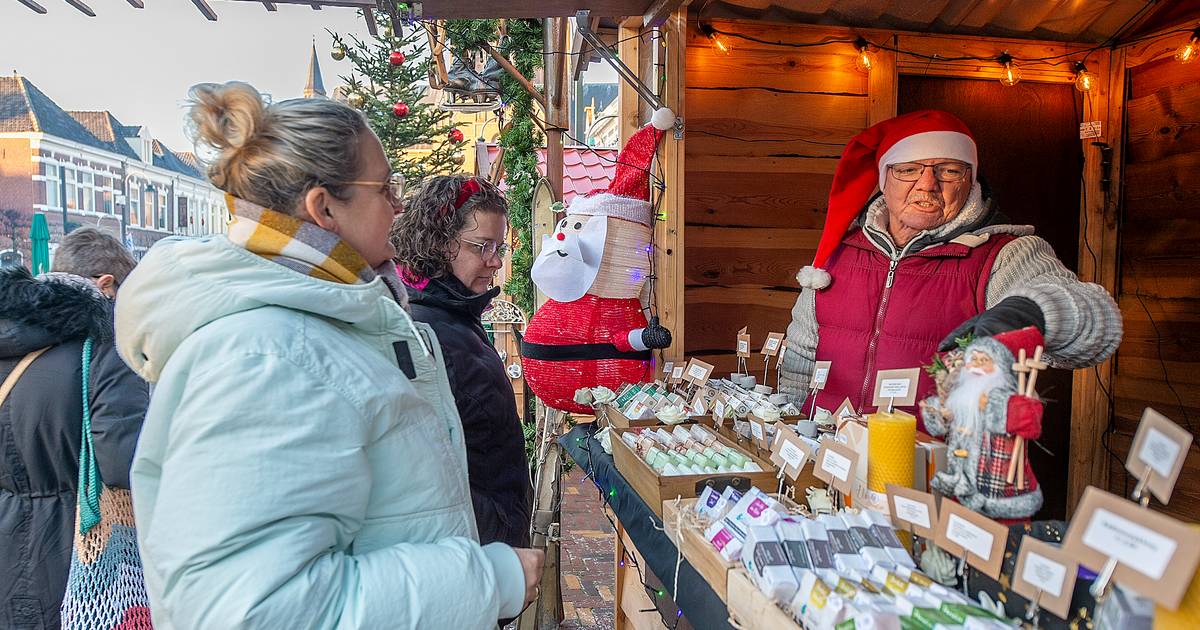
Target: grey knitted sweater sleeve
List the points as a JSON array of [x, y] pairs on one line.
[[1083, 323], [801, 354]]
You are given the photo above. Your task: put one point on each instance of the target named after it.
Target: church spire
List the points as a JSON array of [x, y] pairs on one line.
[[315, 86]]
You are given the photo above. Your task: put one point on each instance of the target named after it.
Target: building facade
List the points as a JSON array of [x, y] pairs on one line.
[[86, 168]]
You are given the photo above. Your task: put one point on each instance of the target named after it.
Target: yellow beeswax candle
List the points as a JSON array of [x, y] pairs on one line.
[[891, 440]]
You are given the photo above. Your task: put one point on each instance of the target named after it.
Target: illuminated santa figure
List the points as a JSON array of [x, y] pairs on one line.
[[593, 330]]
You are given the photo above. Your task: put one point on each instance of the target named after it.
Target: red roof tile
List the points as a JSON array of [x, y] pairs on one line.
[[585, 170]]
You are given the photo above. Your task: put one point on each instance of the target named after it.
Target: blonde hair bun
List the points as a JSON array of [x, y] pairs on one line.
[[226, 116]]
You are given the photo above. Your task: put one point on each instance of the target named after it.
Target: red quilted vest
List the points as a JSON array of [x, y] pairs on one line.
[[869, 322]]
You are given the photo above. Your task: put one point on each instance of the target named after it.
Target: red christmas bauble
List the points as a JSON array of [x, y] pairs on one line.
[[456, 136], [400, 109], [396, 58]]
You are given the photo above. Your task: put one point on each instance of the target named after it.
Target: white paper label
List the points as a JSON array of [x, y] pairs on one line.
[[756, 429], [677, 373], [792, 455], [1159, 451], [696, 372], [772, 344], [1044, 573], [836, 464], [719, 407], [894, 387], [973, 539], [819, 377], [743, 346], [1133, 545], [1090, 129], [668, 367], [782, 351], [914, 512]]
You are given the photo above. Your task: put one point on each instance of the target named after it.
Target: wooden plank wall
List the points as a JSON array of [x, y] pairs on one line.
[[765, 127], [1157, 364]]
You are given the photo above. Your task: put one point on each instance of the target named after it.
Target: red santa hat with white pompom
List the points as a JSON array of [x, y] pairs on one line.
[[919, 135], [628, 195]]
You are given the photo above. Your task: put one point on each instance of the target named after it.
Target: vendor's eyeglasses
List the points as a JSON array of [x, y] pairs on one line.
[[487, 249], [943, 171], [394, 186]]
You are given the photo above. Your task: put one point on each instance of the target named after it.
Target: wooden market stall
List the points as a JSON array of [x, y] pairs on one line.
[[769, 94]]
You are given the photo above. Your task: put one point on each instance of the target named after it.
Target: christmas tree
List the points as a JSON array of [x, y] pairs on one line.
[[388, 83]]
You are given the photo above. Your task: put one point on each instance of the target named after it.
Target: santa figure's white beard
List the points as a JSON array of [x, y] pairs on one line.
[[963, 401]]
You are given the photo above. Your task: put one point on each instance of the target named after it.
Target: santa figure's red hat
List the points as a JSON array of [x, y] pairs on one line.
[[628, 195], [919, 135]]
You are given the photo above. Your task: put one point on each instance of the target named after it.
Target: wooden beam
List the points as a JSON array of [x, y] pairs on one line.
[[659, 11], [206, 10], [137, 4], [1091, 411], [581, 50], [83, 8], [882, 87], [629, 51], [669, 233], [316, 6], [369, 16], [34, 6], [508, 67], [355, 4], [270, 6]]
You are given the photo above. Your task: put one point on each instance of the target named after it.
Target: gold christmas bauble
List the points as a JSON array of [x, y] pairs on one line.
[[385, 31], [355, 100], [458, 158], [338, 52]]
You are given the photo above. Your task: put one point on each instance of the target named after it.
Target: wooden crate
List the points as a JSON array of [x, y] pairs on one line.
[[690, 541], [751, 608], [655, 489], [610, 416]]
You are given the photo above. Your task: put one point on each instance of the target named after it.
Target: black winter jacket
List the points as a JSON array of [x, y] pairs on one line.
[[496, 465], [40, 425]]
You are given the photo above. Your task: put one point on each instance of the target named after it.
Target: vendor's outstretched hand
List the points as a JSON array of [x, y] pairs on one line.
[[1011, 313]]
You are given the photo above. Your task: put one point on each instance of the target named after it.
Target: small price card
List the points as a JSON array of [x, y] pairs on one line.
[[836, 464], [676, 374], [896, 387], [912, 509], [790, 453], [718, 410], [845, 410], [820, 375], [758, 429], [1046, 574], [968, 534], [1159, 450], [773, 344], [697, 371], [743, 342], [668, 366], [1156, 555]]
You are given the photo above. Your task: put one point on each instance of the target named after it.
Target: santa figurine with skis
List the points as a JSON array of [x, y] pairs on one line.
[[592, 331], [988, 411]]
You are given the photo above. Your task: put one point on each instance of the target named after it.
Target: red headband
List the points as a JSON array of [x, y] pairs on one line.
[[469, 187]]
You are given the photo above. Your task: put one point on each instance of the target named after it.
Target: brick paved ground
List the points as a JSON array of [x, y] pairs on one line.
[[587, 557]]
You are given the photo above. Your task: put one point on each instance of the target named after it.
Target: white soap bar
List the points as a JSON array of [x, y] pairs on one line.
[[755, 508], [707, 500], [726, 537], [816, 603], [765, 558]]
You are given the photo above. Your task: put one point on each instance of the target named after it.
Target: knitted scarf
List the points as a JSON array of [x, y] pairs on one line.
[[298, 245]]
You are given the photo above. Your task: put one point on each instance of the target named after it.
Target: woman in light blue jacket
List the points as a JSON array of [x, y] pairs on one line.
[[302, 463]]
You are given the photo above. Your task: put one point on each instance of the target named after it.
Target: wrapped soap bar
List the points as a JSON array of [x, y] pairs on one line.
[[868, 546], [703, 435], [708, 499], [845, 552], [961, 613], [756, 508], [816, 604], [819, 549], [765, 559], [681, 434], [726, 537]]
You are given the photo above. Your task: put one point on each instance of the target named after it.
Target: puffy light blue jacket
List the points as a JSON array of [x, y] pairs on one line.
[[302, 463]]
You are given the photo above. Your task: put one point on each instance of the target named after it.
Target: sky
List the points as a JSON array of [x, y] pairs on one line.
[[139, 63]]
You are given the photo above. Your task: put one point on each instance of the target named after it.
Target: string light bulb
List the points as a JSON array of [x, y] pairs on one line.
[[1188, 52], [1084, 79], [1011, 73], [718, 43], [865, 60]]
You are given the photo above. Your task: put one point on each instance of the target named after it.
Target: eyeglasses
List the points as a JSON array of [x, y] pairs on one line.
[[394, 184], [487, 249], [943, 172]]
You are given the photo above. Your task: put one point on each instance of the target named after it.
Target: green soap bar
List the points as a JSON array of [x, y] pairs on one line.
[[628, 395], [930, 617], [959, 612], [908, 623], [845, 625], [735, 458]]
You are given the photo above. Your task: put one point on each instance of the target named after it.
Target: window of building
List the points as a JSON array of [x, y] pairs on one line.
[[72, 188], [162, 211], [87, 192], [148, 206], [181, 215], [52, 182], [135, 203]]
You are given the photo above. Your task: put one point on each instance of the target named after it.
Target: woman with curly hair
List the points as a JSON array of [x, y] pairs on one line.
[[450, 243]]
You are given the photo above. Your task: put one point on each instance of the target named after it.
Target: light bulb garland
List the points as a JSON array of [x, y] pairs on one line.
[[718, 42], [1190, 49], [865, 60], [1011, 73], [1085, 80]]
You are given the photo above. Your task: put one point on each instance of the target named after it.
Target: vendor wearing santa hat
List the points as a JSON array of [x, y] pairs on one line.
[[928, 259]]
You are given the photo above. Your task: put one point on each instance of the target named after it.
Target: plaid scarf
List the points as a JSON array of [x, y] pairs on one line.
[[298, 245]]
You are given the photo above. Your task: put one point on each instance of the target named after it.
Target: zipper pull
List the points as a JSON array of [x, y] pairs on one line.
[[891, 273]]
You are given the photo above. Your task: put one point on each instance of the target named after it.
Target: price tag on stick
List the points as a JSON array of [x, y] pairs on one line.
[[1157, 455], [836, 464], [896, 388], [972, 536], [1045, 575], [912, 510]]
